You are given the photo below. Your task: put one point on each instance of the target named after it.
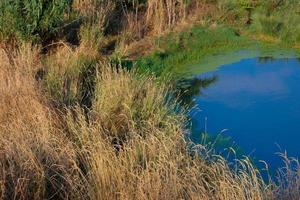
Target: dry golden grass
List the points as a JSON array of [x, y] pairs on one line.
[[164, 14], [288, 179], [66, 66], [160, 17], [130, 145], [36, 160], [97, 12], [131, 141]]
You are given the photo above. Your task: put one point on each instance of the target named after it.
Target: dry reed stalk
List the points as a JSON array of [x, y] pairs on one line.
[[97, 12], [37, 161], [164, 14]]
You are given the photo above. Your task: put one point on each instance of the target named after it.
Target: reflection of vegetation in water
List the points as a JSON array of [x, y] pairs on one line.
[[188, 88], [265, 59]]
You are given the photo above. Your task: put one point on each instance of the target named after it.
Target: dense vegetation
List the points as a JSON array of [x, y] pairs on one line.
[[188, 47], [236, 25], [76, 123]]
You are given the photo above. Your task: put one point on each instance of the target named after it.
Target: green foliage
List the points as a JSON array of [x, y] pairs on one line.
[[188, 47], [236, 11], [280, 19], [277, 18], [32, 19]]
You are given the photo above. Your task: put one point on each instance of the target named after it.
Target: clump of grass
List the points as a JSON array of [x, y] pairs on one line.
[[70, 71], [288, 179], [237, 12], [162, 15], [138, 105], [159, 17], [66, 73]]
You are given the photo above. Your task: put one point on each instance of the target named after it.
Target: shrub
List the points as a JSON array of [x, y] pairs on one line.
[[34, 20]]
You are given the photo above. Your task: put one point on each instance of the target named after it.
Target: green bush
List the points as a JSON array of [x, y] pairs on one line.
[[34, 20]]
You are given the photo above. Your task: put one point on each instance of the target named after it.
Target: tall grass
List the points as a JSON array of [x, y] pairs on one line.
[[70, 72], [36, 160], [75, 126], [142, 18], [164, 14], [96, 12], [131, 144]]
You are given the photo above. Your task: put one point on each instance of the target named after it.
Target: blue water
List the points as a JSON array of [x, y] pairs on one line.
[[257, 101]]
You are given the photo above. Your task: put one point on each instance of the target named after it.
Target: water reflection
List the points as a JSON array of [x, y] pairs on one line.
[[265, 59], [189, 88]]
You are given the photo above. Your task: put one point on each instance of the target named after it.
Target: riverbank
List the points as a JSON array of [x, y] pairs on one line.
[[207, 47], [75, 123]]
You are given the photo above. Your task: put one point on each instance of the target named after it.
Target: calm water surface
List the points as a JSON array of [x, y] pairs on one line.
[[257, 101]]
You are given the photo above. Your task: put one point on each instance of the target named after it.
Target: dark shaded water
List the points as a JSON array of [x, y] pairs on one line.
[[257, 101]]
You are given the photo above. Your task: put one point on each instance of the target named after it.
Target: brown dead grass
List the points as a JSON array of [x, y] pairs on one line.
[[161, 18], [130, 145], [36, 160]]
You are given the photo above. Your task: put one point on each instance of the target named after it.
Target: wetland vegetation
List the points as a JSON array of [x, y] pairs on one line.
[[91, 97]]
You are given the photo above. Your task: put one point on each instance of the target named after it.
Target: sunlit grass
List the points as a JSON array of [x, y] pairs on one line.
[[131, 144], [75, 126]]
